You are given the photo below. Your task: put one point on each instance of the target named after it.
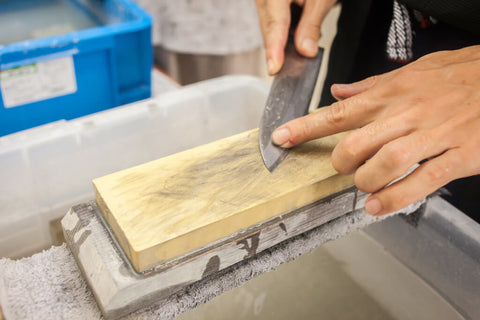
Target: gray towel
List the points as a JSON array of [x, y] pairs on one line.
[[49, 285]]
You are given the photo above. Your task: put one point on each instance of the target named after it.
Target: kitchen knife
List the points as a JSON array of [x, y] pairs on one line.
[[289, 98]]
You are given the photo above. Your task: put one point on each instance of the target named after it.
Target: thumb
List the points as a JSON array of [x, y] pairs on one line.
[[274, 17], [308, 31]]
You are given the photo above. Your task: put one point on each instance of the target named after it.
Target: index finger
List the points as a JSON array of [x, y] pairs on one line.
[[348, 114]]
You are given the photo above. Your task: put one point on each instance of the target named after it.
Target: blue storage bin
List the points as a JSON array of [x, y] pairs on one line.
[[61, 59]]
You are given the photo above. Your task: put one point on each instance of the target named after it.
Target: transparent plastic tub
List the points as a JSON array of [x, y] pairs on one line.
[[46, 170]]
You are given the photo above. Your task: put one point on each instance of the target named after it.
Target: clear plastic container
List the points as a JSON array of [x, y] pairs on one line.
[[46, 170]]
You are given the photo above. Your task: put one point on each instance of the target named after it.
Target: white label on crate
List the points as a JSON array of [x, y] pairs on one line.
[[38, 81]]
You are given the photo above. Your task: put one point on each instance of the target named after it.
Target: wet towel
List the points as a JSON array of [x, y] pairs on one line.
[[49, 285]]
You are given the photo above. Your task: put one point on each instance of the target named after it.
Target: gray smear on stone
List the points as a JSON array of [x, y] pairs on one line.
[[49, 284]]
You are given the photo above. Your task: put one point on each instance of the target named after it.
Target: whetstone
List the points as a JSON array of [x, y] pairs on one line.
[[169, 207]]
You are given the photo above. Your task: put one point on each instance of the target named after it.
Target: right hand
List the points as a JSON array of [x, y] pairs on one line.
[[275, 21], [427, 112]]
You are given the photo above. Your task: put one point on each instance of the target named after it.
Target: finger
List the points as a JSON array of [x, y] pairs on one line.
[[395, 158], [308, 31], [344, 91], [341, 116], [427, 178], [274, 21], [358, 146]]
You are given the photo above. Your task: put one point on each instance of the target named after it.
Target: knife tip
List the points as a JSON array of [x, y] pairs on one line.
[[272, 166]]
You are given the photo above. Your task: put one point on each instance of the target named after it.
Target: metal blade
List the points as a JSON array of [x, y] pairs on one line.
[[289, 98]]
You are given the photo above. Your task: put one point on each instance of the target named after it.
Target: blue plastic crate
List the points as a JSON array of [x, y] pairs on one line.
[[70, 58]]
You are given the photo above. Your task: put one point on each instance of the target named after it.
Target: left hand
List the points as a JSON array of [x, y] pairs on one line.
[[274, 17], [427, 110]]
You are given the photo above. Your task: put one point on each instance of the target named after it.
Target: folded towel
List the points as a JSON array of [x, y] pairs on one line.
[[49, 285]]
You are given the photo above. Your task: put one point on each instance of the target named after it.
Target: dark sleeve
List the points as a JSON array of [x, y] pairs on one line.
[[345, 45], [463, 14]]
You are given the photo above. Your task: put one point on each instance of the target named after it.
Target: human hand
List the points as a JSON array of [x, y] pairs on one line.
[[427, 110], [274, 18]]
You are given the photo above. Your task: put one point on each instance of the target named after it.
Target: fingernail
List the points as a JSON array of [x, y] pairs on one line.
[[281, 136], [373, 206], [309, 46], [271, 66], [339, 86]]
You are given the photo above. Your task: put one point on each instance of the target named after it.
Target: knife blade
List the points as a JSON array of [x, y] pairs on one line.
[[289, 98]]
